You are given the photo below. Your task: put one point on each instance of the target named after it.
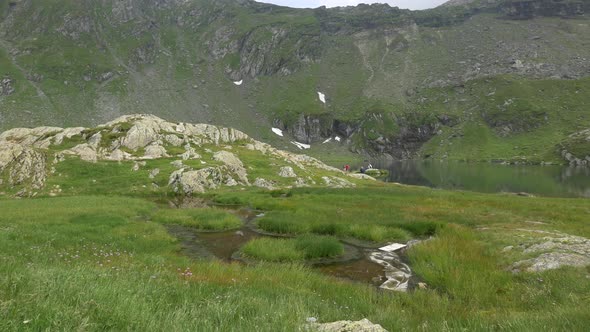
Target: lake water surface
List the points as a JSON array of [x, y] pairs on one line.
[[553, 181]]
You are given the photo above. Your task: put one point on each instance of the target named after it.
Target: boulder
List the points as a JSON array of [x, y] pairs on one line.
[[155, 151], [28, 168], [287, 172], [263, 183], [85, 151], [363, 325], [173, 140], [118, 155], [234, 164], [197, 181], [141, 134]]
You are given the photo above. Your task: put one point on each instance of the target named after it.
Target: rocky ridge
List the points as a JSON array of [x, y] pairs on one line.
[[29, 156]]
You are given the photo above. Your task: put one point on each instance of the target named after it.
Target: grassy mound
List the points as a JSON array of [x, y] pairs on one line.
[[291, 250]]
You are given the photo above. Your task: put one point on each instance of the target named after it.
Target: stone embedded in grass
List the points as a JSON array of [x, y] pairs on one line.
[[287, 172], [363, 325]]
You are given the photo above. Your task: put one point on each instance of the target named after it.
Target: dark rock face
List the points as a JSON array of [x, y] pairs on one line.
[[530, 8], [403, 144], [6, 86], [407, 142], [310, 128]]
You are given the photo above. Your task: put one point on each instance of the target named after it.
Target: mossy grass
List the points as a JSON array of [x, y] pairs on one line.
[[316, 246], [209, 219], [304, 247]]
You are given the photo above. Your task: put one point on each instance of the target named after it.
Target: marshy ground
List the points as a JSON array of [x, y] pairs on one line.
[[109, 262]]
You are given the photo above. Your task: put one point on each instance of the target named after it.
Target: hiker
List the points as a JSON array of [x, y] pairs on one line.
[[347, 168], [363, 169]]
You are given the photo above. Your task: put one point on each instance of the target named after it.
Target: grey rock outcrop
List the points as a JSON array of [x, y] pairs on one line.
[[576, 148], [28, 168], [6, 87], [234, 164], [263, 183], [554, 251], [336, 182], [85, 151], [155, 151], [122, 140], [194, 182], [363, 325], [287, 172]]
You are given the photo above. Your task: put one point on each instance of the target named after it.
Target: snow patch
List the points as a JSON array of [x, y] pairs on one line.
[[301, 146], [238, 83], [327, 141], [338, 139], [322, 97], [277, 131]]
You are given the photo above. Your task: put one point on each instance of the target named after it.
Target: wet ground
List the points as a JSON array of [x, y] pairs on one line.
[[355, 265]]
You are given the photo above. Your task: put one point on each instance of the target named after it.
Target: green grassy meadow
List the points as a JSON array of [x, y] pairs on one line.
[[107, 263]]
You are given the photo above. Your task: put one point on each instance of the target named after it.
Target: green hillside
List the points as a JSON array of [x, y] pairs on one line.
[[500, 80]]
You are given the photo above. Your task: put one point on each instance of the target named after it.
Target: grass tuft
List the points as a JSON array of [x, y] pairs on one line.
[[209, 219]]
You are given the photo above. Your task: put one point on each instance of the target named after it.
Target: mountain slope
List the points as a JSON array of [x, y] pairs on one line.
[[393, 79]]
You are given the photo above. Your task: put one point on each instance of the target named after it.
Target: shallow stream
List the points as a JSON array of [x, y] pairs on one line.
[[366, 265]]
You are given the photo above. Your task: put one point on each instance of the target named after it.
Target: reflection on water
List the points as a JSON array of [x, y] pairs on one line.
[[555, 181]]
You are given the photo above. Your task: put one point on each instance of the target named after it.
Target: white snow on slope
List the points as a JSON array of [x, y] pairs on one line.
[[301, 146], [238, 83], [277, 131], [322, 97], [338, 139], [327, 141]]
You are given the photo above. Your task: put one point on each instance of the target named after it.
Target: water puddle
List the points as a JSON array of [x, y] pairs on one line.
[[385, 270]]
